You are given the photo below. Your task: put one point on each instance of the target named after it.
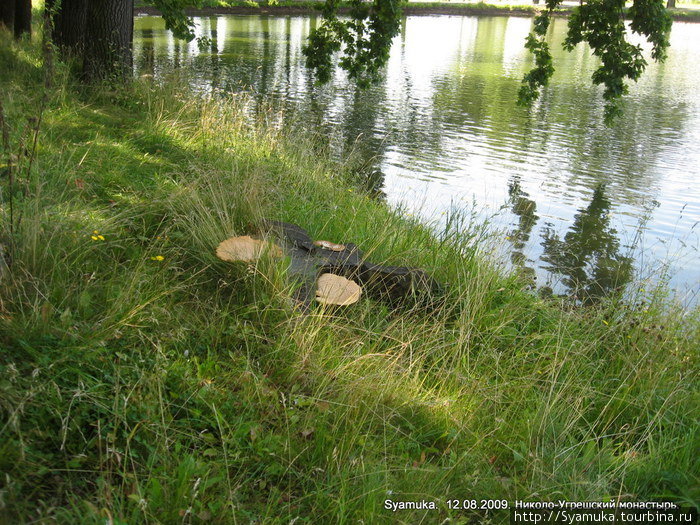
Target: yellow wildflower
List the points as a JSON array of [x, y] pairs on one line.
[[157, 258]]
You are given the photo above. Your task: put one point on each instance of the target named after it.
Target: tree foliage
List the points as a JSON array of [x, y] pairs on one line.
[[173, 12], [364, 40], [601, 24], [177, 21]]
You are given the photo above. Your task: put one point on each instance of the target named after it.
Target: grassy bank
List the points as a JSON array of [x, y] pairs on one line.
[[143, 380]]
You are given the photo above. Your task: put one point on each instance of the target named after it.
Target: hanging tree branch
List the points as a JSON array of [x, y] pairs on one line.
[[365, 38], [601, 24]]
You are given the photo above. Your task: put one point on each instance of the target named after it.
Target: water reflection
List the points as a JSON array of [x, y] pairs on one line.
[[145, 60], [524, 208], [589, 257], [442, 127]]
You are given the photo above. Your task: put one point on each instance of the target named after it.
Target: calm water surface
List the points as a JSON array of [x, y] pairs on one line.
[[580, 206]]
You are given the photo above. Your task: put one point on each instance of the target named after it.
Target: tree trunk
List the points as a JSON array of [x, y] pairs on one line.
[[108, 39], [23, 17], [7, 14], [671, 4], [69, 25]]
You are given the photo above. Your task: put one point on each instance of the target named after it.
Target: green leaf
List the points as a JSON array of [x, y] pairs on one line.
[[600, 23]]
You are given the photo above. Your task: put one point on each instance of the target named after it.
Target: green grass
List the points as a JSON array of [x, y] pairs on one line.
[[188, 390]]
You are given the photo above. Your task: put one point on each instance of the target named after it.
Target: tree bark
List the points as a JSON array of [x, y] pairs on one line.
[[23, 17], [108, 39], [69, 25], [7, 14], [671, 4]]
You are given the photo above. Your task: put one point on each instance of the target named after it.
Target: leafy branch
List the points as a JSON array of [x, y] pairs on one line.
[[173, 12], [365, 39], [601, 24]]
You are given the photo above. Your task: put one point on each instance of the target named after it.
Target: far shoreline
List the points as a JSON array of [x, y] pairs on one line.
[[413, 9]]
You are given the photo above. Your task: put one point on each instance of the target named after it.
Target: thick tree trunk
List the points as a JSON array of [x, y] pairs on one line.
[[108, 39], [23, 17], [68, 25], [671, 4], [7, 14]]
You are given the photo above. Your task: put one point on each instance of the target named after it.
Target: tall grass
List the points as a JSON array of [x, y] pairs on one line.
[[189, 390]]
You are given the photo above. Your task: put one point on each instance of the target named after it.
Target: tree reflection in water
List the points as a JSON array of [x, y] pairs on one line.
[[525, 209], [589, 257]]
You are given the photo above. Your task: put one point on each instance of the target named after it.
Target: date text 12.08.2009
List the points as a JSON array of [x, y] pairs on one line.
[[452, 504]]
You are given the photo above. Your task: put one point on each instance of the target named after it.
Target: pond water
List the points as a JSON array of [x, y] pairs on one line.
[[580, 206]]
